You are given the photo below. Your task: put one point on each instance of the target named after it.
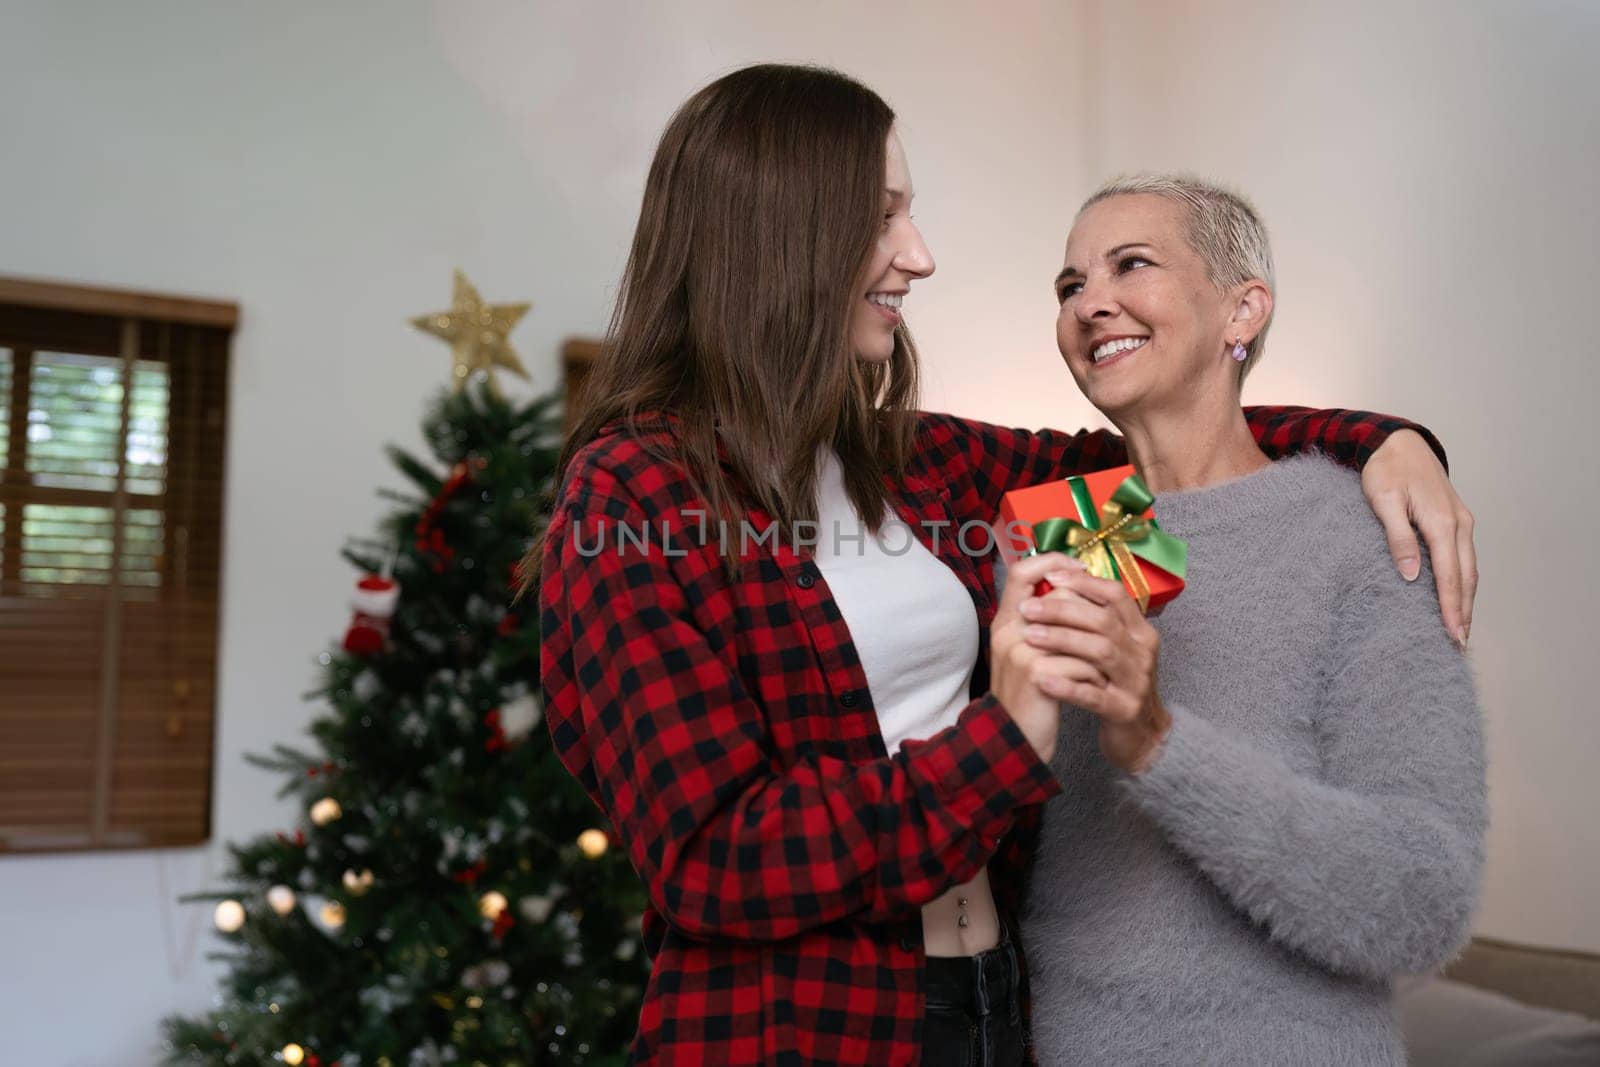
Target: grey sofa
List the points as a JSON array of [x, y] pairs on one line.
[[1505, 1005]]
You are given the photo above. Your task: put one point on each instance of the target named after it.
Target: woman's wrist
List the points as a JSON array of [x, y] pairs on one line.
[[1135, 747], [1041, 728]]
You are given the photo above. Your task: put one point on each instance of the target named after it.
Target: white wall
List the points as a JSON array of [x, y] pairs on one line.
[[327, 165], [979, 99]]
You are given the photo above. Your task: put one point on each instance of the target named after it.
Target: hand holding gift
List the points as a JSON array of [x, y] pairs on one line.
[[1096, 618]]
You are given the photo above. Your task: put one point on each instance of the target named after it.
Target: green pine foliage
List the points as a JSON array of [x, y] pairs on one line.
[[441, 805]]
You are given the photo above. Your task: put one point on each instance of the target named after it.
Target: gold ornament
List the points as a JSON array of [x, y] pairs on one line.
[[325, 811], [491, 904], [293, 1055], [229, 916], [477, 333], [593, 843]]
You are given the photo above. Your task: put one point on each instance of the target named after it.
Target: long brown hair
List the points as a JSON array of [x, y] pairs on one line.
[[760, 213]]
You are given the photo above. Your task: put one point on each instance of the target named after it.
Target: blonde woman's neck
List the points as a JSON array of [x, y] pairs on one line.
[[1191, 447]]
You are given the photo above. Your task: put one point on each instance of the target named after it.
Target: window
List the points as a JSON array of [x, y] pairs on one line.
[[577, 360], [112, 417]]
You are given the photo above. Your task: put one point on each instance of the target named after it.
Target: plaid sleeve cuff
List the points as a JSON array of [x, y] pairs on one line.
[[1388, 425], [985, 771]]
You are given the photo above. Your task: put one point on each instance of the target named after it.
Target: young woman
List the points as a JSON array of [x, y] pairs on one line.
[[767, 649]]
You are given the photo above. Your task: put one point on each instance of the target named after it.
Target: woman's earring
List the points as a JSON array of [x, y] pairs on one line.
[[1239, 354]]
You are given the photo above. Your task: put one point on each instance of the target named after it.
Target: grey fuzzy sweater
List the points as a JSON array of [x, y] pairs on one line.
[[1312, 826]]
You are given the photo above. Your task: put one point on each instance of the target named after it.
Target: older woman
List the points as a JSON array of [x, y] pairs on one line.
[[1274, 795]]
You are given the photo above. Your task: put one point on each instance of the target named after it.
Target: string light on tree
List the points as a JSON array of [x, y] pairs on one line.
[[358, 884], [281, 899], [229, 916], [325, 811], [593, 843], [293, 1054], [333, 915], [491, 904]]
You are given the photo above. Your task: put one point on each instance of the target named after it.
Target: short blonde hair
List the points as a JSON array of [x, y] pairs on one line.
[[1223, 229]]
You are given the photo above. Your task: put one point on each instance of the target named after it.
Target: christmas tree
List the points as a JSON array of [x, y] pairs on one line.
[[452, 895]]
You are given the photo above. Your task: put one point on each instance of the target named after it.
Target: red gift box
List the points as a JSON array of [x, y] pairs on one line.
[[1104, 508]]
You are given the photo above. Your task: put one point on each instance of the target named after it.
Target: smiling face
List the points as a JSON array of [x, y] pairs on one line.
[[898, 257], [1141, 322]]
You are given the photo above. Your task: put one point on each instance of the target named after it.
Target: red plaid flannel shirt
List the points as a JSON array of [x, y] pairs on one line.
[[726, 729]]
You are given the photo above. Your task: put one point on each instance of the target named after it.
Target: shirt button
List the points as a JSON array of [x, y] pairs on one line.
[[908, 945], [805, 581], [849, 699]]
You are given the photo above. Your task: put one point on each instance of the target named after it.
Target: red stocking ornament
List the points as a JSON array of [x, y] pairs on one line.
[[373, 602]]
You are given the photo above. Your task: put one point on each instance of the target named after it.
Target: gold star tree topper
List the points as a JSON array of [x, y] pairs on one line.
[[477, 333]]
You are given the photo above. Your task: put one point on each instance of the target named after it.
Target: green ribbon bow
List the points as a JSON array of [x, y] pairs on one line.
[[1108, 538]]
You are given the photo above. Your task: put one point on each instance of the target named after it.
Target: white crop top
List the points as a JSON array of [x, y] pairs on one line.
[[912, 621]]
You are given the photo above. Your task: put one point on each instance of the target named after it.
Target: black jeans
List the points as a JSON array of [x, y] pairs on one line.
[[974, 1014]]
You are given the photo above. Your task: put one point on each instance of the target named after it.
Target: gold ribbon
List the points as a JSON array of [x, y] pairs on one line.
[[1104, 553], [1108, 538]]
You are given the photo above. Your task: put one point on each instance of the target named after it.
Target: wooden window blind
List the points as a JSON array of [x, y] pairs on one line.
[[112, 425]]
